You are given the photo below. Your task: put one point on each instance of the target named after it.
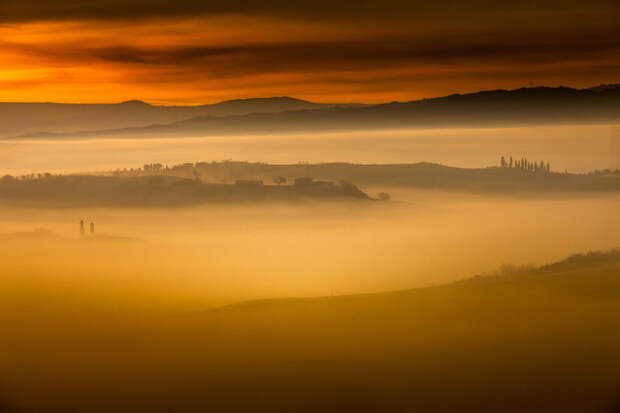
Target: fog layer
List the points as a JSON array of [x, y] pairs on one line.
[[197, 257], [577, 148], [121, 320]]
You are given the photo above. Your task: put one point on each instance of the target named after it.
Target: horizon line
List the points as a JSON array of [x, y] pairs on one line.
[[299, 99]]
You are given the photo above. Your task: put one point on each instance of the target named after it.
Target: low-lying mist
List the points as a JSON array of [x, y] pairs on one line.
[[577, 148], [130, 318], [194, 258]]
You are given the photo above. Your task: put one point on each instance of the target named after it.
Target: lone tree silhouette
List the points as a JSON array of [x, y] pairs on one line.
[[279, 180]]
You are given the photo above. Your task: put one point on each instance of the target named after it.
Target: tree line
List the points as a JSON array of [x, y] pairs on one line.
[[525, 164]]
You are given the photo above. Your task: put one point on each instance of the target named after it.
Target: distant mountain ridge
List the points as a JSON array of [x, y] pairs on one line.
[[20, 118], [600, 88], [519, 107]]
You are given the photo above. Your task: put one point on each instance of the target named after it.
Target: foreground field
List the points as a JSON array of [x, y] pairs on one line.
[[526, 339]]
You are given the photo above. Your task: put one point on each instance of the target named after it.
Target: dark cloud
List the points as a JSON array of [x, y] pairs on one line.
[[26, 10], [277, 57], [324, 46]]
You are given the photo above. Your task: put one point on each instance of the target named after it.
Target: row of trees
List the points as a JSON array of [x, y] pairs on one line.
[[606, 171], [28, 177], [525, 165]]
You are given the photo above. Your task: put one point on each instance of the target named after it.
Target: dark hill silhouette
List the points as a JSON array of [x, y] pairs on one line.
[[417, 175], [601, 88], [520, 107], [135, 102], [162, 191], [556, 272], [26, 118], [540, 339], [274, 104], [242, 182], [503, 342]]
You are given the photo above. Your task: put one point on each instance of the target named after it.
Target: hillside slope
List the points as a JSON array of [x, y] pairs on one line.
[[27, 118], [526, 106], [540, 339], [525, 340], [161, 191], [421, 175]]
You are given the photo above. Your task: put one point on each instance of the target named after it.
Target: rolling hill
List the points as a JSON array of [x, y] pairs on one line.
[[27, 118], [526, 106], [422, 175], [162, 191], [534, 339]]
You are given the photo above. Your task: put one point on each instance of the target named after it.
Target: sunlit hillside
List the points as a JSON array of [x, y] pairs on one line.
[[522, 339]]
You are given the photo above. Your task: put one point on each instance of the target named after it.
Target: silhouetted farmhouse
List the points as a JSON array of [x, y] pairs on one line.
[[303, 181], [279, 180]]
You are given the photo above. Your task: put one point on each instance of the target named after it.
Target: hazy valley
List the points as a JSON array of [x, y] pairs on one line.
[[375, 270]]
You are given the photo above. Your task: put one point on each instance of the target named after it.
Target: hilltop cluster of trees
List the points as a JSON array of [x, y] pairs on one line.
[[28, 177], [147, 169], [525, 164], [606, 171], [184, 170], [514, 175], [228, 171]]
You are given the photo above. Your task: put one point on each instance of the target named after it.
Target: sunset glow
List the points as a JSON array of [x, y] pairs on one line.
[[371, 57], [309, 206]]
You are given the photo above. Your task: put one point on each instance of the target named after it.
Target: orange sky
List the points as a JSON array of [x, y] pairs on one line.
[[226, 54]]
